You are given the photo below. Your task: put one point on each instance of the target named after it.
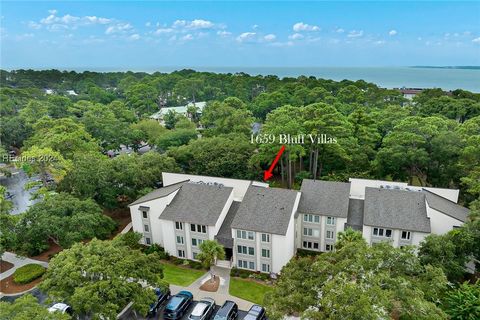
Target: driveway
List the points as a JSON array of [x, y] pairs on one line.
[[17, 262]]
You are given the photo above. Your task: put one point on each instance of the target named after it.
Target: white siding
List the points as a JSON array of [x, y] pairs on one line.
[[222, 216], [168, 229], [357, 186], [156, 208], [441, 223]]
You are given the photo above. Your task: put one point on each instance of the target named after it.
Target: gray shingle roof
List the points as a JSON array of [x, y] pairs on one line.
[[265, 210], [396, 209], [446, 206], [197, 203], [328, 198], [355, 214], [158, 193], [224, 236]]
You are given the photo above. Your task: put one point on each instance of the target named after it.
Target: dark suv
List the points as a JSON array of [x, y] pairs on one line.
[[256, 312], [178, 305], [162, 296], [228, 311]]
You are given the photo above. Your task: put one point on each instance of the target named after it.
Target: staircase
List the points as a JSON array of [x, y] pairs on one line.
[[224, 264]]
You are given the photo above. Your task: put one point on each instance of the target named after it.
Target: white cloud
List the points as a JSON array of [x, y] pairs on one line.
[[255, 27], [296, 36], [392, 33], [148, 24], [246, 36], [270, 37], [223, 33], [300, 26], [379, 42], [476, 40], [340, 30], [67, 21], [355, 34], [194, 24], [135, 36], [187, 37], [121, 27], [163, 30]]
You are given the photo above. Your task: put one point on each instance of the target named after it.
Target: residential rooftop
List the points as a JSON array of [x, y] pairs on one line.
[[396, 209], [328, 198], [159, 193], [266, 210], [446, 206], [197, 203]]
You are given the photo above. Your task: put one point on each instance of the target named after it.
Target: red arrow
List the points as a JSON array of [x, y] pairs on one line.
[[267, 174]]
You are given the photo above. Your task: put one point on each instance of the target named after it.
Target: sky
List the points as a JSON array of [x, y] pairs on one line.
[[147, 34]]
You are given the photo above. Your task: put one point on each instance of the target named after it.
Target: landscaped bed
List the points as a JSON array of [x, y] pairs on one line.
[[28, 273], [250, 290], [8, 286], [180, 275], [5, 265]]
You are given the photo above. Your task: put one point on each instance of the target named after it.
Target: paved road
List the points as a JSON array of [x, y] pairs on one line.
[[17, 262], [16, 186]]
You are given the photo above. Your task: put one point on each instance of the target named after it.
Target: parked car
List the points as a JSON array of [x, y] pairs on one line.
[[256, 312], [228, 311], [203, 309], [178, 305], [61, 307], [162, 296]]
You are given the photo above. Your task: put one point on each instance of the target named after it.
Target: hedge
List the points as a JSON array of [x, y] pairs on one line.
[[28, 273], [244, 274]]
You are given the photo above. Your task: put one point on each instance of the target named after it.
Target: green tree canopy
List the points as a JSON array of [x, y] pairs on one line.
[[28, 308], [100, 278]]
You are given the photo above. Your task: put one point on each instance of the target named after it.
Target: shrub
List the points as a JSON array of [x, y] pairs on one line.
[[28, 273], [175, 260], [158, 249], [307, 253], [195, 264]]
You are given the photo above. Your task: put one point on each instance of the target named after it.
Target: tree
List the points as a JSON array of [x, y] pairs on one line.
[[463, 302], [210, 252], [222, 156], [27, 307], [62, 219], [100, 278], [45, 162], [142, 98], [63, 135], [175, 138], [170, 118], [348, 236], [150, 130], [229, 116], [359, 282]]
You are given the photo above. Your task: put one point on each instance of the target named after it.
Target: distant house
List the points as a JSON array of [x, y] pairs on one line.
[[261, 228], [71, 93], [410, 93], [49, 91], [182, 110]]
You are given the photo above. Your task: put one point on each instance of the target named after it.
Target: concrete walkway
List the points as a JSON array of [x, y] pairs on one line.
[[17, 262], [222, 293]]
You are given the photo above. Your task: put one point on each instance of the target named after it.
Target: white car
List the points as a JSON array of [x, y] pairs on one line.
[[203, 309], [61, 307]]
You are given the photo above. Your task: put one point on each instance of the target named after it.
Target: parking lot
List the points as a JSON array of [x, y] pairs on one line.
[[132, 315]]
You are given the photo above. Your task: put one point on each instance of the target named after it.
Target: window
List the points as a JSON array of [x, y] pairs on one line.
[[204, 229], [265, 267], [144, 214], [242, 234], [180, 240], [145, 227], [178, 225], [147, 240], [195, 255], [265, 253], [307, 231], [329, 247], [242, 264], [181, 253], [311, 218], [194, 242], [251, 251], [330, 235], [310, 245], [330, 221], [192, 227], [246, 250], [251, 265], [265, 237], [405, 235], [381, 232]]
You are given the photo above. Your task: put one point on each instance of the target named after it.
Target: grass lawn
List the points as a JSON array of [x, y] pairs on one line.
[[248, 290], [180, 276]]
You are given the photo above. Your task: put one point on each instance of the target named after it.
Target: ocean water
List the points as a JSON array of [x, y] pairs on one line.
[[386, 77]]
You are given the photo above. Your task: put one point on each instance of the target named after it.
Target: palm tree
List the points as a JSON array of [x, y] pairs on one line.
[[348, 236], [210, 251]]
